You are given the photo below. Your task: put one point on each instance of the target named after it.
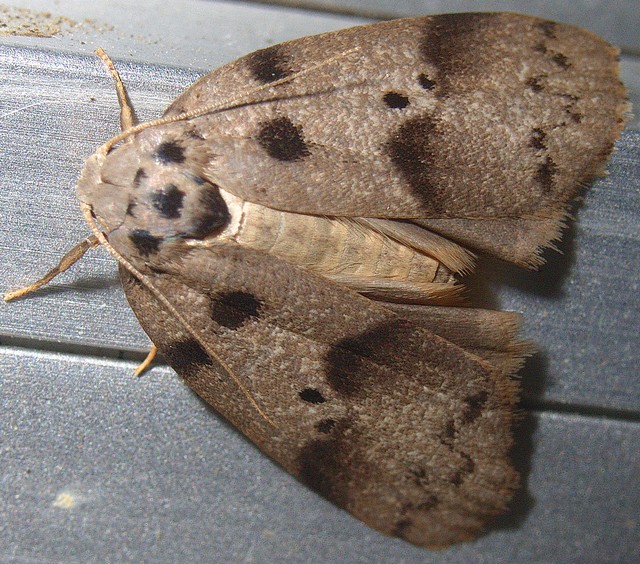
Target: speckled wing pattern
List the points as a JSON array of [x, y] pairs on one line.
[[400, 427], [478, 126], [487, 117]]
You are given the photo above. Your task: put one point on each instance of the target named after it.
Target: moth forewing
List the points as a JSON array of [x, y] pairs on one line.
[[373, 160]]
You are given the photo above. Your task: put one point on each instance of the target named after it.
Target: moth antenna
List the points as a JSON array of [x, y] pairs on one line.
[[100, 236], [66, 262], [128, 117], [211, 108]]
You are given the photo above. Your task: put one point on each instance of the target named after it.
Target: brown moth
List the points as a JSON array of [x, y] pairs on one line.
[[290, 232]]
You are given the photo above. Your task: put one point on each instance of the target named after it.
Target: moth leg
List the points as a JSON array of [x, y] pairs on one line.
[[69, 259], [127, 114], [147, 361]]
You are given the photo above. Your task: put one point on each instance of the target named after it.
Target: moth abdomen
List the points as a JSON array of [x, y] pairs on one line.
[[345, 250]]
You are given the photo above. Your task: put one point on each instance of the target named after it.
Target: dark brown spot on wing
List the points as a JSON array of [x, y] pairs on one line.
[[535, 83], [325, 426], [269, 65], [139, 177], [426, 82], [311, 395], [428, 502], [538, 139], [449, 42], [474, 407], [466, 468], [144, 242], [413, 150], [561, 60], [540, 48], [354, 364], [233, 309], [168, 201], [419, 476], [283, 140], [130, 207], [448, 433], [213, 213], [186, 356], [548, 28], [395, 100], [400, 527], [545, 174], [324, 467], [169, 152]]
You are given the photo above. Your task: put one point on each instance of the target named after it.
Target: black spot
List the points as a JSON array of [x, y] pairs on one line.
[[548, 28], [395, 100], [169, 152], [325, 425], [139, 177], [413, 151], [269, 65], [233, 309], [400, 527], [537, 139], [282, 140], [546, 173], [535, 83], [467, 467], [211, 215], [186, 356], [426, 82], [561, 60], [168, 201], [130, 207], [145, 243], [324, 466], [311, 395], [473, 409]]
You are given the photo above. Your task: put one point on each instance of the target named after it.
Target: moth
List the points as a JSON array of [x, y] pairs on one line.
[[291, 230]]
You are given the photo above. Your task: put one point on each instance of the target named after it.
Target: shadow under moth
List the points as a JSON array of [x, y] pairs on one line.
[[290, 231]]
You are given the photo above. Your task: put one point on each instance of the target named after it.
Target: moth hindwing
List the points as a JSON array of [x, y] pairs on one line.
[[290, 232]]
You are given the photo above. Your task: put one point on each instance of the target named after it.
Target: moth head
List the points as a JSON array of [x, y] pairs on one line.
[[152, 188]]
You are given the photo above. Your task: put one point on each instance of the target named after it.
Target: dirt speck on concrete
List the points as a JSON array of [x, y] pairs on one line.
[[22, 21]]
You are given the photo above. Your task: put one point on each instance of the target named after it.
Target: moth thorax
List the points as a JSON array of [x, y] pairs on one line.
[[145, 194]]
